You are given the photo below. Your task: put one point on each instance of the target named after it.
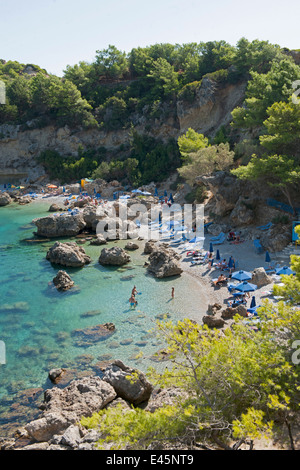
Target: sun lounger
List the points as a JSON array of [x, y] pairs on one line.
[[265, 227], [218, 236], [220, 240]]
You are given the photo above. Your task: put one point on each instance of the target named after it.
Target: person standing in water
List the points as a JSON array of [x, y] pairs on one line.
[[134, 291], [173, 292], [132, 301]]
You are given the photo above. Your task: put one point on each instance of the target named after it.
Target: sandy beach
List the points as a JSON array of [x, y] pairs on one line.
[[243, 253]]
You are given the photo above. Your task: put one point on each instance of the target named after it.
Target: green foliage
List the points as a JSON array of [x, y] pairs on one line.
[[283, 127], [126, 170], [263, 90], [238, 384], [69, 169], [278, 171], [156, 158], [197, 195], [205, 161], [191, 142], [290, 291], [111, 63]]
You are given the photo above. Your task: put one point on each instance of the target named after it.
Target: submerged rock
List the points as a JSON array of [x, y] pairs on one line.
[[68, 254], [89, 336]]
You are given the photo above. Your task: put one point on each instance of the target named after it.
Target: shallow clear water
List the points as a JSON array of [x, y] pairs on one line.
[[37, 321]]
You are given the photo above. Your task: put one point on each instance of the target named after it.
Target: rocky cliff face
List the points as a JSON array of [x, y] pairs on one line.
[[211, 109]]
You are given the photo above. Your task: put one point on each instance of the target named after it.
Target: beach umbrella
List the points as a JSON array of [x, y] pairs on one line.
[[218, 255], [245, 287], [268, 258], [230, 262], [211, 248], [165, 193], [285, 270], [253, 302], [241, 275], [156, 192]]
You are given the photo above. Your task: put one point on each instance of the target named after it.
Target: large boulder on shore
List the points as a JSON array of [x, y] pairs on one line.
[[5, 199], [129, 384], [64, 407], [68, 254], [260, 277], [62, 225], [114, 256], [164, 262]]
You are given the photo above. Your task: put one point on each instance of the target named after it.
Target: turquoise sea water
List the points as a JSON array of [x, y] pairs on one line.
[[37, 321]]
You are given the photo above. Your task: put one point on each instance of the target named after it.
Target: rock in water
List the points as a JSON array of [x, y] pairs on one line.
[[164, 262], [5, 199], [68, 254], [115, 256], [62, 225], [62, 281]]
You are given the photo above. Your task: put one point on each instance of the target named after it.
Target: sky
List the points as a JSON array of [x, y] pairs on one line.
[[57, 33]]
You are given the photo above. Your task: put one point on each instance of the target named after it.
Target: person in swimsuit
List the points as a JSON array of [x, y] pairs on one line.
[[132, 301]]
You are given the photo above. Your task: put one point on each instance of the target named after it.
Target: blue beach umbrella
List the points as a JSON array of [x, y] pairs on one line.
[[211, 248], [241, 275], [253, 302], [285, 270], [245, 287], [218, 255], [268, 258], [230, 262]]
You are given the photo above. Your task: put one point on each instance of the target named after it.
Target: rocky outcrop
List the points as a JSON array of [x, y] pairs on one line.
[[211, 107], [226, 190], [114, 256], [62, 225], [129, 384], [68, 254], [62, 281], [244, 211], [65, 407], [5, 199], [164, 262], [276, 238], [220, 318]]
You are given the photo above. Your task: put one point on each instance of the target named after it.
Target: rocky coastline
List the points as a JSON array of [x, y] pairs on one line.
[[58, 427]]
